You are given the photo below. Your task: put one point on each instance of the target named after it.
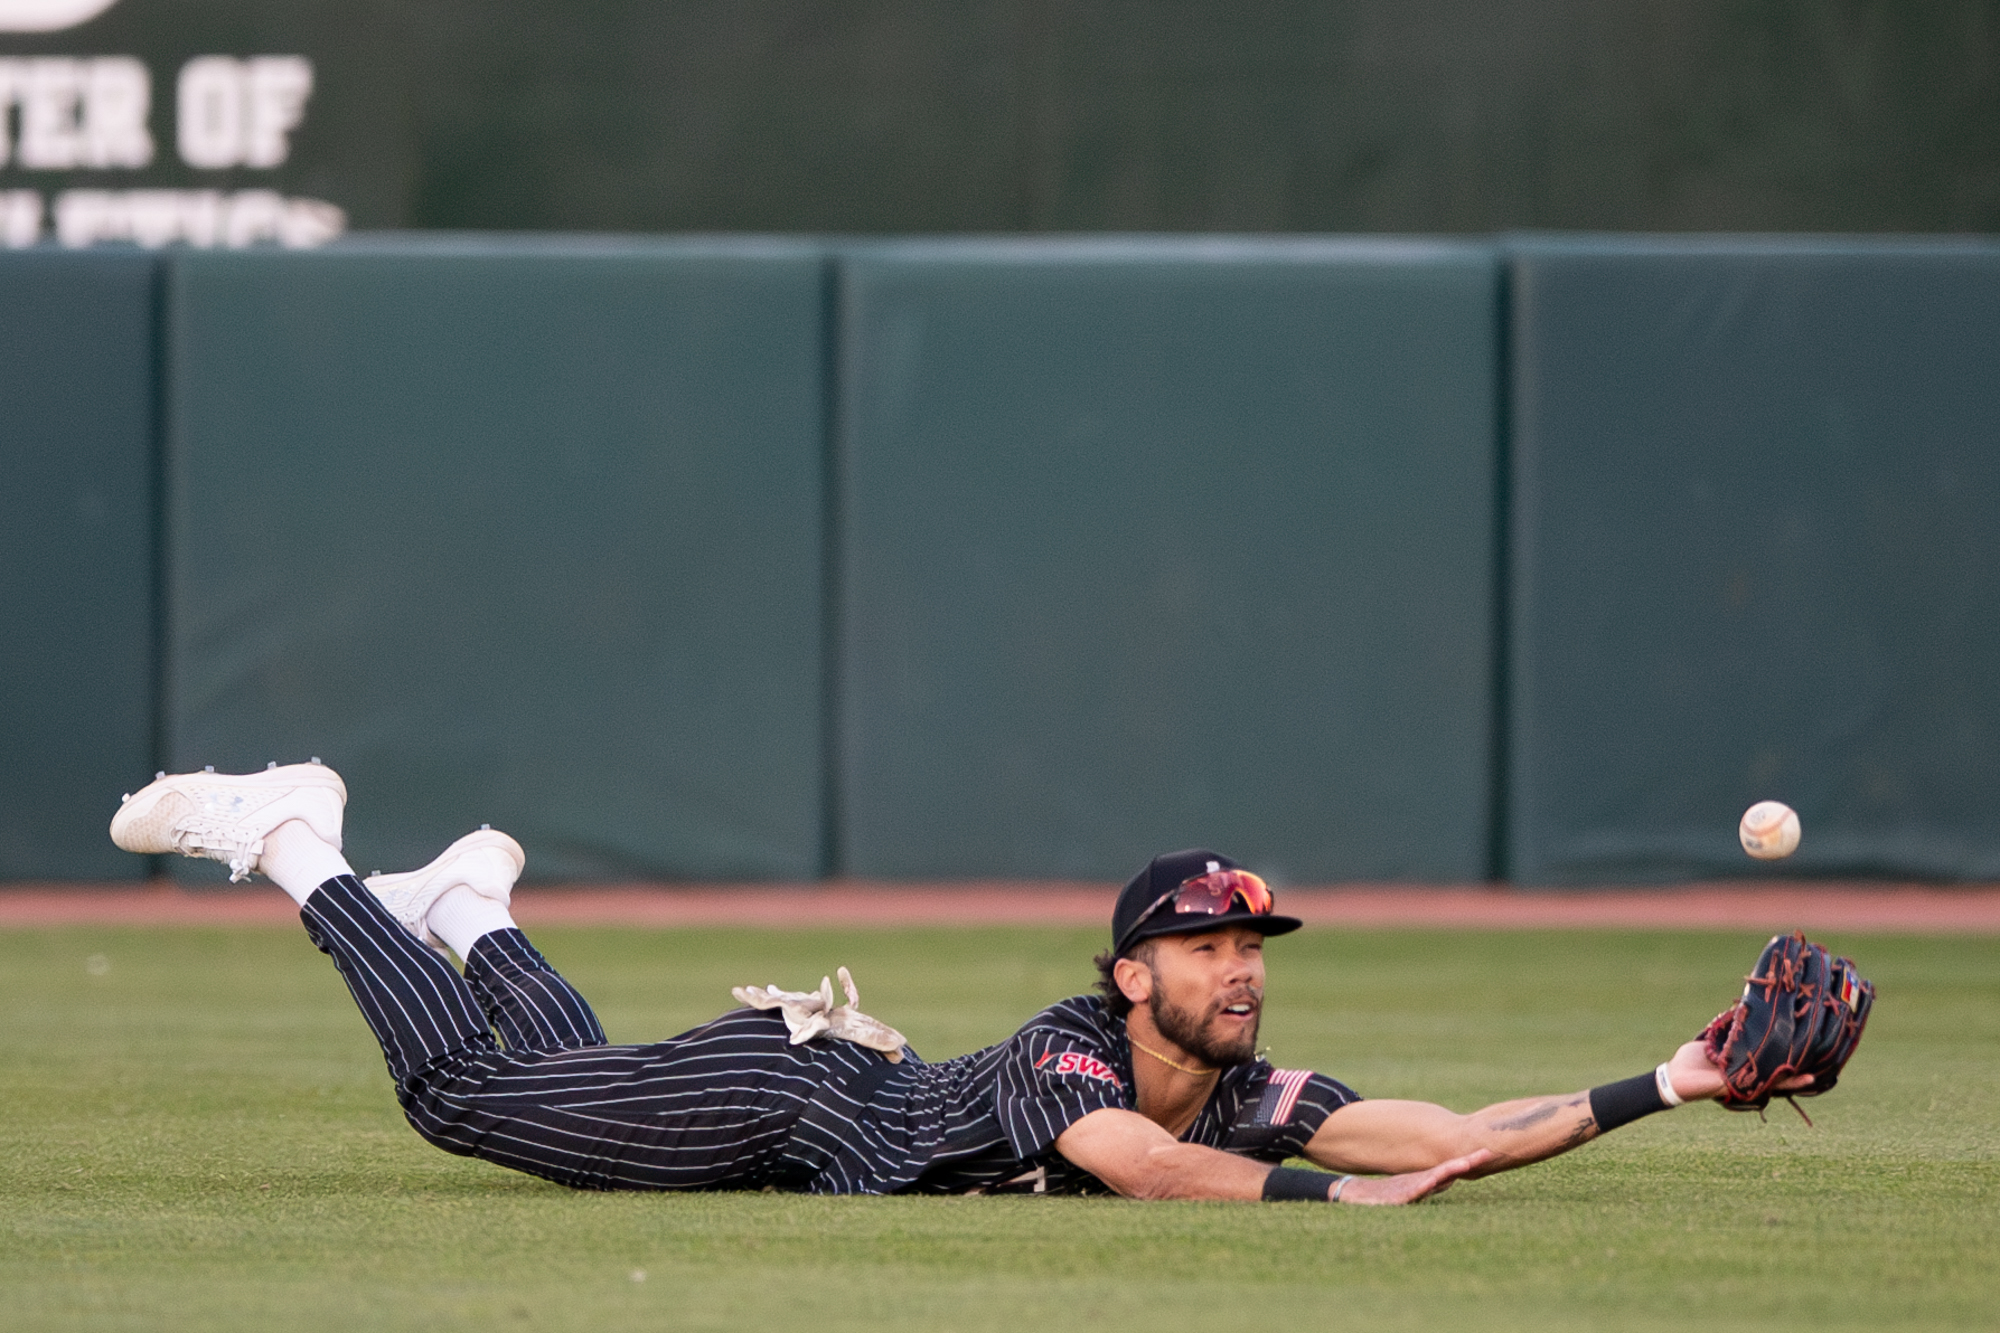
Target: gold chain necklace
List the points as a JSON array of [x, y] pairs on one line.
[[1171, 1064]]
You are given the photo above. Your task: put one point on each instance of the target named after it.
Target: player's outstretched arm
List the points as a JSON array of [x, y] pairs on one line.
[[1387, 1136], [1140, 1160], [1397, 1136]]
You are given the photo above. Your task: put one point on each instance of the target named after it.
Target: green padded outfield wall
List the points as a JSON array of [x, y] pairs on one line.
[[76, 557], [899, 116], [1150, 544], [1757, 554], [526, 533]]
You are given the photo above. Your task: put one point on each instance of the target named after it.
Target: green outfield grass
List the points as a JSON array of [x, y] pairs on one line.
[[196, 1132]]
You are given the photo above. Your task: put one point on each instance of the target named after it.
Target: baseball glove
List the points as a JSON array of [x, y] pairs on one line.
[[1801, 1013]]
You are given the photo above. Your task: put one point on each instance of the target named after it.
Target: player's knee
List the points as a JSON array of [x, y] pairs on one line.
[[438, 1118], [439, 1126]]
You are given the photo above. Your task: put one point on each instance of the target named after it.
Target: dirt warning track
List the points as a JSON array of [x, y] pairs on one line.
[[1845, 906]]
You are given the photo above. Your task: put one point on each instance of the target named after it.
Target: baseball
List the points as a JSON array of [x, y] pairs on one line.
[[1769, 830]]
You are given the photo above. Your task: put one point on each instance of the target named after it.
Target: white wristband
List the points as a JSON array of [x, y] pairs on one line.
[[1666, 1087]]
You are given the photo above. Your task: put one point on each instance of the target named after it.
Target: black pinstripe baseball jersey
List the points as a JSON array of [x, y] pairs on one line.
[[989, 1121], [733, 1104]]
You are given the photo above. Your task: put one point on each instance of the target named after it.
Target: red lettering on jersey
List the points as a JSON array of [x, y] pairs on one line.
[[1088, 1066]]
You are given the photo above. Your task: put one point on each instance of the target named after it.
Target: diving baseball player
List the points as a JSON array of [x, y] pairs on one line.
[[1151, 1089]]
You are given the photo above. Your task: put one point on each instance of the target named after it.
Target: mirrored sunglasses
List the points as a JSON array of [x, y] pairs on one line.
[[1212, 894]]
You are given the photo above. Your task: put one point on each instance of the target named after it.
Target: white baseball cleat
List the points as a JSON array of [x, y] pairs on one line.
[[486, 861], [226, 816]]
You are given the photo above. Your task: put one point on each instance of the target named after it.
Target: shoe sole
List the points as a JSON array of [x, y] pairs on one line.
[[145, 822]]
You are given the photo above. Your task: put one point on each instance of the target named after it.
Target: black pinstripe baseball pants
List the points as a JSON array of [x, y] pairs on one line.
[[714, 1108]]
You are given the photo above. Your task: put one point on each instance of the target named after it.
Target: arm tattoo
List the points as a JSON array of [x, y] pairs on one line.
[[1535, 1115], [1529, 1118]]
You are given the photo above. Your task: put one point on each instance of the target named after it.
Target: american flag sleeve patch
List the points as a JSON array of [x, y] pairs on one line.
[[1277, 1120], [1281, 1098]]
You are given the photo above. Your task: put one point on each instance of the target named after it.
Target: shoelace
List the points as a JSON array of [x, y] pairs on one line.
[[195, 836]]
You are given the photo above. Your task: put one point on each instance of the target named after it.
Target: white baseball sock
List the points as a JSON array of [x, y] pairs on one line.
[[459, 917], [298, 861]]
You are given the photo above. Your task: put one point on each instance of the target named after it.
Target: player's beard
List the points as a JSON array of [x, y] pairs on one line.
[[1191, 1032]]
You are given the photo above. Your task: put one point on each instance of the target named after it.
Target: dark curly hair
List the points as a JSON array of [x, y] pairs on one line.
[[1107, 985]]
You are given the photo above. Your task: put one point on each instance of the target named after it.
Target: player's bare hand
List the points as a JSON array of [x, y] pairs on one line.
[[1414, 1185], [1697, 1079]]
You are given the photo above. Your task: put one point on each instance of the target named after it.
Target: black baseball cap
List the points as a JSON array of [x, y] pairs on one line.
[[1166, 873]]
